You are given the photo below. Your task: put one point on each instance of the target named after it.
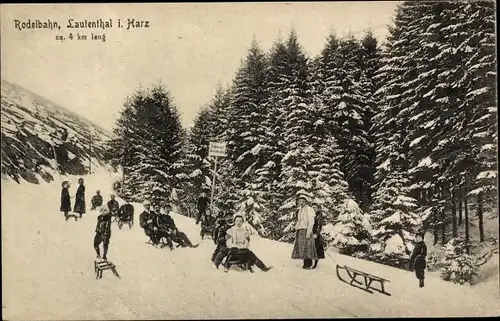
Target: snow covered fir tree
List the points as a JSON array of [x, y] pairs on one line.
[[386, 138], [150, 145]]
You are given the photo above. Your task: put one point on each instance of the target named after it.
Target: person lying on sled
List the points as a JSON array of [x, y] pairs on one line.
[[238, 241]]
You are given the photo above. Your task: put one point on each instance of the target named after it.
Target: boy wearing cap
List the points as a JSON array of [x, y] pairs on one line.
[[417, 258], [102, 233]]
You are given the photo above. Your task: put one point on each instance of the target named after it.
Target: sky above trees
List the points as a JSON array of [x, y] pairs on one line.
[[191, 48]]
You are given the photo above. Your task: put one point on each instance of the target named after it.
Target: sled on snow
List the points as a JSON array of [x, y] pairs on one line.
[[365, 282], [101, 266], [235, 259]]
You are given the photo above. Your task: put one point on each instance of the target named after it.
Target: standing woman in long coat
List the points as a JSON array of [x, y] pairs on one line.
[[80, 198], [318, 240], [304, 247], [65, 199]]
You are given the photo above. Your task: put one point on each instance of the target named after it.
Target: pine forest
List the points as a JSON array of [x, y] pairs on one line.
[[388, 138]]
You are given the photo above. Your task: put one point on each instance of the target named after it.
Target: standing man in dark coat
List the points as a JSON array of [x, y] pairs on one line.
[[202, 206], [102, 233], [65, 199], [80, 198], [96, 200], [318, 240], [417, 258]]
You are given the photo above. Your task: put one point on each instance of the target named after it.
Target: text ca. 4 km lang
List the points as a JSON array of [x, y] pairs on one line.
[[80, 36]]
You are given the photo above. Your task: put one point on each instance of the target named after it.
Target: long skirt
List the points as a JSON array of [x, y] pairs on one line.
[[65, 204], [79, 206], [304, 248], [320, 248]]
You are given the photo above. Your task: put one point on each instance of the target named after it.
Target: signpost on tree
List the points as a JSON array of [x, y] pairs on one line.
[[215, 149]]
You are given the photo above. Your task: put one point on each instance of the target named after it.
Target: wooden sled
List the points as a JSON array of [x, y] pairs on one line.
[[232, 261], [100, 266], [366, 280]]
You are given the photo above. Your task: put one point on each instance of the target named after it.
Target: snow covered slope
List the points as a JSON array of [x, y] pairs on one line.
[[36, 131], [48, 274]]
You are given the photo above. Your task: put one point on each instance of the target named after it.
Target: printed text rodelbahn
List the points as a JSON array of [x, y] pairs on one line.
[[73, 24]]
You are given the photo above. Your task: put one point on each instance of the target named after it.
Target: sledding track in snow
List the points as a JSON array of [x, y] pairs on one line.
[[48, 274]]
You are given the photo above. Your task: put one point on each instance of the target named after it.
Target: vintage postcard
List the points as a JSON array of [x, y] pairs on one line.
[[249, 160]]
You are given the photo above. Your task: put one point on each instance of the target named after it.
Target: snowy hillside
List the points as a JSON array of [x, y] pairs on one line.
[[38, 137], [48, 274]]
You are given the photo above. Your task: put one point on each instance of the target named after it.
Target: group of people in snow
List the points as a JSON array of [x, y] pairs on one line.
[[79, 207], [229, 232], [158, 225], [309, 245], [124, 213]]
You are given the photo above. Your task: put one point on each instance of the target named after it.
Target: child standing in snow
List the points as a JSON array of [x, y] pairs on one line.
[[65, 199], [102, 233], [417, 258]]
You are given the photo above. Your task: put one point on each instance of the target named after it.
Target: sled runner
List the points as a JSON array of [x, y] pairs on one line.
[[100, 266], [366, 280], [235, 260]]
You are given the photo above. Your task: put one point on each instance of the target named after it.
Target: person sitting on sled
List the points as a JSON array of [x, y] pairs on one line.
[[163, 223], [207, 224], [417, 258], [96, 200], [126, 213], [221, 250], [102, 233], [113, 206], [147, 220], [177, 236], [238, 241]]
